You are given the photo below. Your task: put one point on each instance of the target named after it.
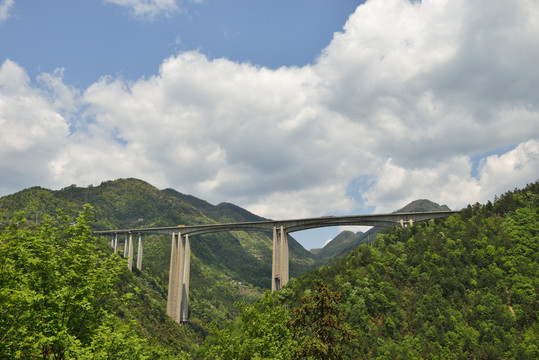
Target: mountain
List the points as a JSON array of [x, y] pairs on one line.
[[222, 213], [131, 203], [423, 205], [347, 240], [343, 240]]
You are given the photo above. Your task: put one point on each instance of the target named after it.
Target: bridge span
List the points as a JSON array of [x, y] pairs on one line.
[[178, 287]]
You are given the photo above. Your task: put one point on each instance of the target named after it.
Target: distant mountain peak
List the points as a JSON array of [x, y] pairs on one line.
[[347, 240], [423, 205]]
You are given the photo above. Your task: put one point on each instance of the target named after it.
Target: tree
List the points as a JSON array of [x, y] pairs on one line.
[[259, 333], [58, 291], [318, 326]]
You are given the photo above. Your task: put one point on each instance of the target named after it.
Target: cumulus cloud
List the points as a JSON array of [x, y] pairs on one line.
[[408, 95], [436, 74], [148, 9], [4, 9], [33, 131], [500, 173], [450, 182]]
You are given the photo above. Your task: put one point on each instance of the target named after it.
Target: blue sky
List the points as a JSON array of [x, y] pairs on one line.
[[91, 39], [287, 108]]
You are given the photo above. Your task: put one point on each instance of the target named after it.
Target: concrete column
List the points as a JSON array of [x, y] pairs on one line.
[[126, 246], [139, 252], [115, 243], [275, 278], [280, 266], [179, 275], [284, 257], [172, 277], [178, 288], [130, 253], [184, 294]]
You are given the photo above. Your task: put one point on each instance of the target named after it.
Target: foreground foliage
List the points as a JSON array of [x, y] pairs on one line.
[[60, 295]]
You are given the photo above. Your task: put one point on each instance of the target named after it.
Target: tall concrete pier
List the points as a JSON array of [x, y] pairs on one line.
[[279, 272], [130, 253], [139, 252], [178, 283]]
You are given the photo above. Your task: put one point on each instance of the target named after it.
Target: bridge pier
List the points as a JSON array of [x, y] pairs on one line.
[[130, 253], [139, 252], [126, 246], [178, 281], [279, 273], [115, 243]]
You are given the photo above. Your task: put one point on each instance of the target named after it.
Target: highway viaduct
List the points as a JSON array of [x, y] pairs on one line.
[[178, 286]]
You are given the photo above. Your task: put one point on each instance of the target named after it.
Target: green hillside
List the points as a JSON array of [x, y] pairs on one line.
[[460, 288], [346, 241], [422, 205]]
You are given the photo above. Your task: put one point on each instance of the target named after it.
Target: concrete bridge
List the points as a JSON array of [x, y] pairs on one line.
[[178, 286]]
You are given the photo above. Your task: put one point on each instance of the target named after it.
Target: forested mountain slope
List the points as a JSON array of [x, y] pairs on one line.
[[459, 288], [347, 240], [131, 203]]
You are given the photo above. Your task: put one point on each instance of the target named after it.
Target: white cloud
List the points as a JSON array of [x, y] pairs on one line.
[[148, 9], [407, 95], [4, 9], [436, 74], [500, 173], [450, 182], [33, 131]]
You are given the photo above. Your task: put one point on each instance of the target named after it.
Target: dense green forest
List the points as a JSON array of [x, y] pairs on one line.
[[63, 295], [346, 241], [462, 287]]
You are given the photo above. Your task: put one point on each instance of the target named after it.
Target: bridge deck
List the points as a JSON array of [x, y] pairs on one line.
[[380, 220]]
